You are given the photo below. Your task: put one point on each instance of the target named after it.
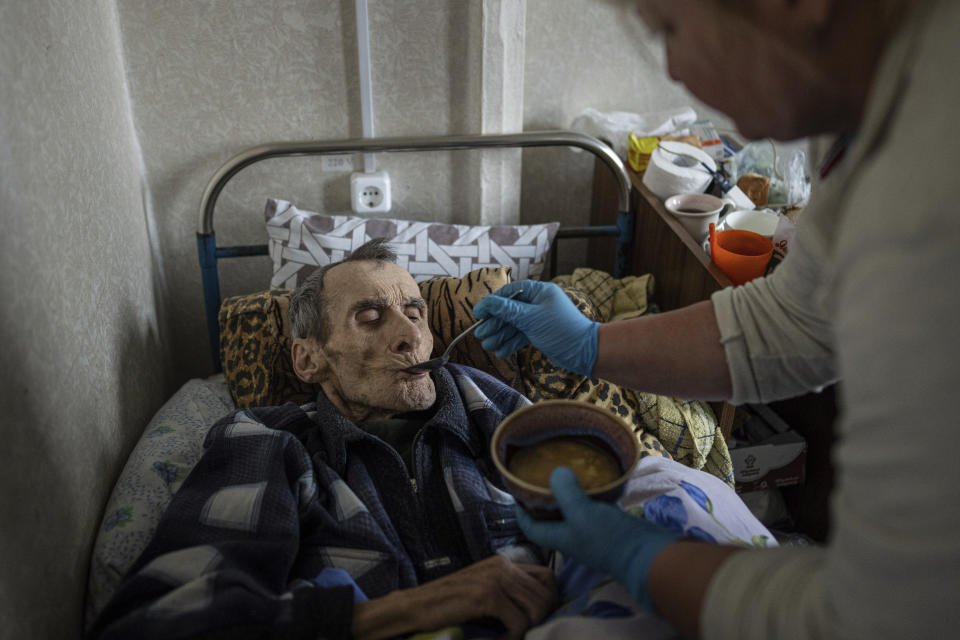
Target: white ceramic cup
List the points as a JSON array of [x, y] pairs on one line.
[[695, 211], [762, 222]]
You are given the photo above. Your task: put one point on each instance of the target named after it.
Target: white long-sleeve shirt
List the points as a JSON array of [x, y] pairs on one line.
[[870, 296]]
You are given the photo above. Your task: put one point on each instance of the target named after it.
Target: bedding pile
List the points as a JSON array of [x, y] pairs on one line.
[[255, 347], [686, 429]]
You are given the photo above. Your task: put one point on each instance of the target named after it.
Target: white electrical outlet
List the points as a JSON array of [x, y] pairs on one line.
[[370, 192]]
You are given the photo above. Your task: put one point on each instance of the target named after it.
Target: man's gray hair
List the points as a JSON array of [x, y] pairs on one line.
[[308, 313]]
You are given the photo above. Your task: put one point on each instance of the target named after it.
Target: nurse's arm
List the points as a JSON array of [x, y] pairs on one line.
[[679, 578], [677, 353]]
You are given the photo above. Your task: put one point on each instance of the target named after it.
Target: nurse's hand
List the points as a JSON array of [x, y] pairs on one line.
[[600, 535], [542, 315]]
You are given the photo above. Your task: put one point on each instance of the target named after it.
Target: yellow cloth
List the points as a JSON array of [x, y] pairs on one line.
[[615, 299]]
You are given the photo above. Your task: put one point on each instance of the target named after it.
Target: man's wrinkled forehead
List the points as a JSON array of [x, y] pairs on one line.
[[378, 283]]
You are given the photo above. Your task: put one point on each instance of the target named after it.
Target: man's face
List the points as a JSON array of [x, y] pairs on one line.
[[753, 60], [378, 326]]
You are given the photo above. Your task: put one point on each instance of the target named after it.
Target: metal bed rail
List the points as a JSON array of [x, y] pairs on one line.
[[210, 253]]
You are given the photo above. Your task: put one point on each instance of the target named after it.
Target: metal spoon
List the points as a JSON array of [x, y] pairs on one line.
[[444, 358]]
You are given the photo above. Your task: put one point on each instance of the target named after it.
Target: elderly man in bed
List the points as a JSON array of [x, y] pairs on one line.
[[381, 489]]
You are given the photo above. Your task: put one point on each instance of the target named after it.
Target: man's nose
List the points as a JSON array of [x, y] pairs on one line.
[[406, 335]]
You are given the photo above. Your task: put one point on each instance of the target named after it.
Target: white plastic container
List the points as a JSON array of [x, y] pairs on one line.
[[762, 222]]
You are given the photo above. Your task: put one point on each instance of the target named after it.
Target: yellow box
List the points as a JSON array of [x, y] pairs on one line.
[[639, 150]]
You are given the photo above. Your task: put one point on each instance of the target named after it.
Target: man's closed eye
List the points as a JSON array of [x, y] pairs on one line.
[[368, 316]]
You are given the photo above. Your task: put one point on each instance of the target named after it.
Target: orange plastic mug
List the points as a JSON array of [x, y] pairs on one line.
[[742, 255]]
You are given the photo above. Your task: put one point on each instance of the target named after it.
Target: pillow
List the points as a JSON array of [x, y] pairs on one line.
[[255, 338], [302, 240], [255, 351], [170, 446]]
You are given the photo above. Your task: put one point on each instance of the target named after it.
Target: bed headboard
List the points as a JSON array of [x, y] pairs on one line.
[[210, 253]]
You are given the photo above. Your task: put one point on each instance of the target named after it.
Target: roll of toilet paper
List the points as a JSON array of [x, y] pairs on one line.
[[675, 168]]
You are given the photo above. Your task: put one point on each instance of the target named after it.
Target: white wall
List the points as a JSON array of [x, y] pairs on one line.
[[580, 54], [209, 79], [82, 364]]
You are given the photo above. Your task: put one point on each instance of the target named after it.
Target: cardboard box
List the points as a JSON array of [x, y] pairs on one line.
[[766, 453]]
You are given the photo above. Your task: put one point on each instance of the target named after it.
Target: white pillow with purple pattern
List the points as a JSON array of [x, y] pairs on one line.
[[300, 241]]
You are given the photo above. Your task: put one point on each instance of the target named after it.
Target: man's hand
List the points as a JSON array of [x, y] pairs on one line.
[[518, 595]]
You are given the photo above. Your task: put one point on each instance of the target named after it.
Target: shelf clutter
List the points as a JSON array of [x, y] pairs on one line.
[[685, 274]]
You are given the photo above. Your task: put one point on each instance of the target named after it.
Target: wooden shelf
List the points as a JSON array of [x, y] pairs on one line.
[[685, 274]]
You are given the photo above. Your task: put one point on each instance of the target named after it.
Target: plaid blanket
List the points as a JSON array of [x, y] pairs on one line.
[[284, 495]]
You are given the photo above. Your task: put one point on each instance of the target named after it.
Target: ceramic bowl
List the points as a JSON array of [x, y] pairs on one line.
[[561, 418], [695, 211]]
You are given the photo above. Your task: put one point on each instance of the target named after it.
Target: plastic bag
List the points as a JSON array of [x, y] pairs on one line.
[[784, 163], [615, 127]]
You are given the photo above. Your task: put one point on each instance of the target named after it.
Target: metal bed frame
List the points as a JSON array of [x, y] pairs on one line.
[[210, 253]]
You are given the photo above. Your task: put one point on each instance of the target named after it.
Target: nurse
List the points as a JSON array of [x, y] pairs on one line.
[[868, 297]]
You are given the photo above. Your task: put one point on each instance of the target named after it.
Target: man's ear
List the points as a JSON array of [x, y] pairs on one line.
[[309, 362]]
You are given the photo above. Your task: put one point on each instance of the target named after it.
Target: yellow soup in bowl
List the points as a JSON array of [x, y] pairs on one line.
[[593, 464]]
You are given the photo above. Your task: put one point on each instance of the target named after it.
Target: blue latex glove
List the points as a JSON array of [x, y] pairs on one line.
[[543, 316], [600, 535]]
